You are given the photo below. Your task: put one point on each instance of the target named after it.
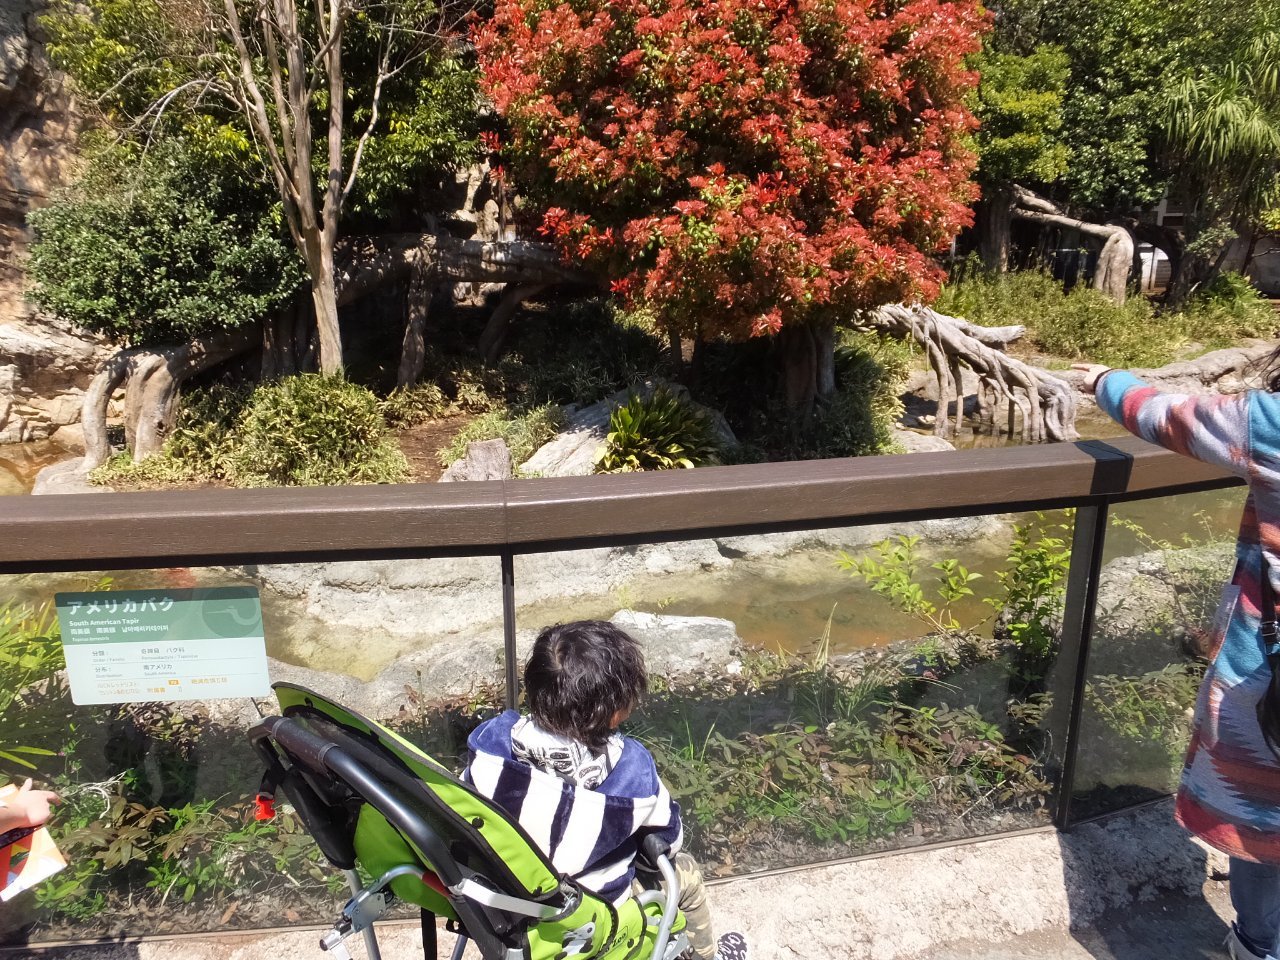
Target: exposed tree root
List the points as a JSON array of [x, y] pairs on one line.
[[152, 379], [1047, 405]]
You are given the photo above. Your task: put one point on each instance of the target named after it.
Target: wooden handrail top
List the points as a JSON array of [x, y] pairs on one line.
[[204, 527]]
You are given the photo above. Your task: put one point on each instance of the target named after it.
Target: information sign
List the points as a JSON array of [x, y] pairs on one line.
[[124, 646]]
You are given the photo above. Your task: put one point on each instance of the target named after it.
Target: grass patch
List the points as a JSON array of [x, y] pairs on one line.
[[1085, 325], [307, 430], [524, 431]]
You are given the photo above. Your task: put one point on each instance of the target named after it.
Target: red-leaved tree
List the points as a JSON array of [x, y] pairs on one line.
[[744, 167]]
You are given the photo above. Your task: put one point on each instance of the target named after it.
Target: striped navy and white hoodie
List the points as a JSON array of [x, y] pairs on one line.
[[593, 835]]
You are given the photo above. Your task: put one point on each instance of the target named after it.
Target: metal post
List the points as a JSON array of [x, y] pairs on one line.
[[1087, 541], [509, 628], [370, 937]]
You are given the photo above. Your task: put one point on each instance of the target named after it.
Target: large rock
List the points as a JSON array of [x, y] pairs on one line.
[[43, 369], [574, 451], [1156, 605], [913, 441], [675, 646], [67, 476], [485, 460]]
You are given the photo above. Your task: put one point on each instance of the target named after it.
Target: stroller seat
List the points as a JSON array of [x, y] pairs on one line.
[[371, 798]]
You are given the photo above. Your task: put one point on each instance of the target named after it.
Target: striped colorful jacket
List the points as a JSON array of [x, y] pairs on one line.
[[1230, 791], [592, 836]]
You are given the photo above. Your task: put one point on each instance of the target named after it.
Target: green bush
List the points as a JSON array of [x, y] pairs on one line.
[[307, 430], [201, 446], [1080, 325], [30, 655], [409, 405], [658, 432], [160, 249], [1230, 307], [313, 430], [524, 431], [858, 419], [1086, 325], [580, 353]]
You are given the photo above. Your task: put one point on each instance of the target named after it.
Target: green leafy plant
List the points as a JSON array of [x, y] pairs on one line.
[[30, 656], [893, 573], [306, 430], [659, 432], [406, 406], [313, 430], [1033, 578]]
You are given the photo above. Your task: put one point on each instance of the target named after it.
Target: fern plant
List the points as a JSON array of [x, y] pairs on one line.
[[658, 432]]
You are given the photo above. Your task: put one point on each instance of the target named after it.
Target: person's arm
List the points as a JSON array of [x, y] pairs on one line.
[[1213, 428], [26, 808]]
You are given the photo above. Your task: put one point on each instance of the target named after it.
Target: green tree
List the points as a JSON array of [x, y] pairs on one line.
[[308, 94], [1223, 130], [159, 249], [1019, 109]]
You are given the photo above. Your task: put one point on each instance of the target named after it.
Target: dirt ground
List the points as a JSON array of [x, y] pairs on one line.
[[422, 443]]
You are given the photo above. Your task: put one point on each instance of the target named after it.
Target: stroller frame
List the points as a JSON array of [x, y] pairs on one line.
[[369, 797]]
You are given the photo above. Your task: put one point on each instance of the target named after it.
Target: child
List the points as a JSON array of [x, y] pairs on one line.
[[586, 794]]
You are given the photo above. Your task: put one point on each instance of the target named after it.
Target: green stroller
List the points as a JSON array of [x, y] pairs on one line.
[[369, 797]]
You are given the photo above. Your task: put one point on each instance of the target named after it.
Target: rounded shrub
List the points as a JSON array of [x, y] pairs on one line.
[[313, 430]]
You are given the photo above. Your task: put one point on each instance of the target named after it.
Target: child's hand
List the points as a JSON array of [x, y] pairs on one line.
[[26, 808], [1092, 371]]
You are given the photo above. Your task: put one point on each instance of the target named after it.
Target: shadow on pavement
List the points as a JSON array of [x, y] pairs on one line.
[[1142, 895]]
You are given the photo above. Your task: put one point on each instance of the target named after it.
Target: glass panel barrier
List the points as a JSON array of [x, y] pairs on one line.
[[834, 692], [157, 816], [1164, 565]]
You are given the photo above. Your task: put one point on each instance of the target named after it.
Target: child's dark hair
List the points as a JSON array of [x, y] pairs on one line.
[[580, 675]]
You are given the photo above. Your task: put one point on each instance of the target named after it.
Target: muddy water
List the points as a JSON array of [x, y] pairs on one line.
[[20, 462], [785, 603]]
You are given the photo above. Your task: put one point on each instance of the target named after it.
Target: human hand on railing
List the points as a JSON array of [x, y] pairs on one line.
[[26, 808], [1091, 371]]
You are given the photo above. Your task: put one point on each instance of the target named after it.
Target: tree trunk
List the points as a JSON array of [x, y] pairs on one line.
[[144, 365], [365, 263], [93, 412], [808, 365], [413, 350], [1116, 258], [1196, 271], [494, 336], [153, 378], [324, 295], [304, 340], [157, 397], [995, 218]]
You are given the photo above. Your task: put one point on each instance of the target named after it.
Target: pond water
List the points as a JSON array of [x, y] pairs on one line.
[[784, 604], [20, 462]]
